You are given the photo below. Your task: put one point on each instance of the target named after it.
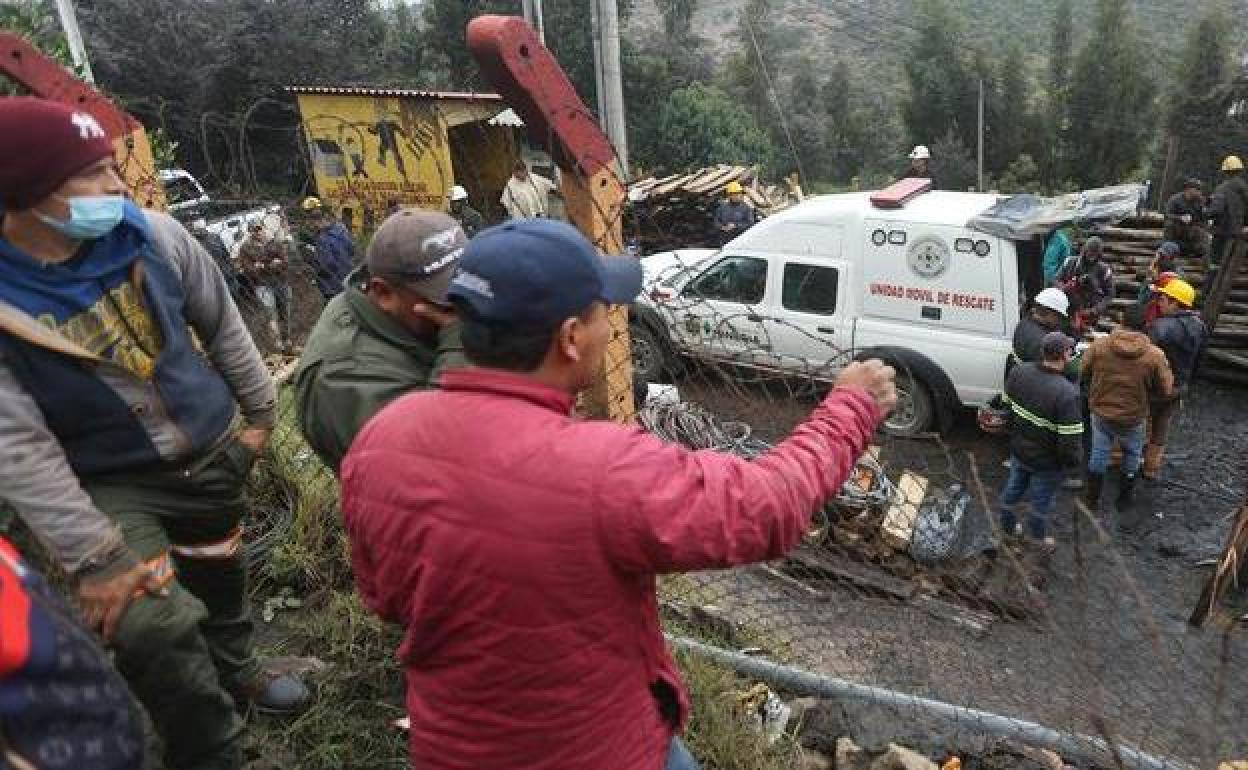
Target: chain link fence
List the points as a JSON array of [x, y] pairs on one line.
[[905, 613]]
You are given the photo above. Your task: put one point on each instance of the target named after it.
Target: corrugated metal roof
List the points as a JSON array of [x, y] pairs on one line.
[[392, 92]]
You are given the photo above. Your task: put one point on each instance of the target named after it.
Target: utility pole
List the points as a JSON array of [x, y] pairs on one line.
[[612, 80], [73, 36], [540, 20], [532, 10], [980, 186], [595, 33]]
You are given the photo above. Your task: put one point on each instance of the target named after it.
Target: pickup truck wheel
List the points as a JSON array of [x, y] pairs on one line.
[[649, 356], [914, 412]]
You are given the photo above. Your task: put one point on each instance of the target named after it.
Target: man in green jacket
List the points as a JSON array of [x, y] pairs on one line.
[[390, 333]]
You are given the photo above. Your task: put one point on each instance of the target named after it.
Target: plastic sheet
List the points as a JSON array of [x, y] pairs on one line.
[[1023, 217]]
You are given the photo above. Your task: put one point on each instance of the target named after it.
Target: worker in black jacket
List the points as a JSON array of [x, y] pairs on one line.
[[1047, 314], [1046, 436], [733, 216], [1186, 219], [1088, 282], [1181, 335], [1226, 209]]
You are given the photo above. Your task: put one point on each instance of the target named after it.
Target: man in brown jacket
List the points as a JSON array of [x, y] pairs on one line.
[[1124, 372]]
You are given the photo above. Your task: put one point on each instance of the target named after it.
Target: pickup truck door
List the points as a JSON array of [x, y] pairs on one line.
[[809, 321], [720, 311]]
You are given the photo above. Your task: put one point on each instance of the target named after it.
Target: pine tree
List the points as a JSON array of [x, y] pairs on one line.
[[843, 124], [760, 56], [1111, 99], [942, 94], [677, 19], [808, 121], [1014, 96], [1053, 155], [1196, 119]]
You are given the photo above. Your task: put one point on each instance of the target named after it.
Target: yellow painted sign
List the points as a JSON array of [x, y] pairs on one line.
[[372, 152]]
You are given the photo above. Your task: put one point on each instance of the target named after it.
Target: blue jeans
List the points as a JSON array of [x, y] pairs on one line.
[[1043, 488], [1103, 435], [679, 758]]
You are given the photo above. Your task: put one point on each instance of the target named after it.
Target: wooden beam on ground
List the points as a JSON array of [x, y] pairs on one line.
[[1226, 572]]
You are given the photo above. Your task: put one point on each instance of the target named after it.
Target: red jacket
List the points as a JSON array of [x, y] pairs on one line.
[[519, 547]]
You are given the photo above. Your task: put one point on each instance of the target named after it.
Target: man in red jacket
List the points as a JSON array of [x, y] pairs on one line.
[[519, 546]]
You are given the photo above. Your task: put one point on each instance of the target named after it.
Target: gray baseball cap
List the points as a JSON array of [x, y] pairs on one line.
[[420, 247]]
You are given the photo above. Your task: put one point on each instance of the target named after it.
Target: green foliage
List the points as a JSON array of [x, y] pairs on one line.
[[717, 733], [844, 125], [677, 19], [702, 125], [1013, 111], [1022, 176], [1200, 98], [36, 21], [952, 163], [1112, 102], [942, 96], [1053, 153], [164, 149], [447, 21]]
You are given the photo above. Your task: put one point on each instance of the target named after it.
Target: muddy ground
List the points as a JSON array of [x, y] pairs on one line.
[[1105, 649]]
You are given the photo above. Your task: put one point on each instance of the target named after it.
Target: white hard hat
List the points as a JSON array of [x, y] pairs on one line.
[[1055, 300], [920, 152], [458, 193]]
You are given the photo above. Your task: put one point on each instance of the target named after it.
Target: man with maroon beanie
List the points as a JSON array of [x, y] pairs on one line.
[[126, 449], [519, 546]]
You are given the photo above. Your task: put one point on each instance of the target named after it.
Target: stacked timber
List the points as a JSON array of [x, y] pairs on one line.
[[674, 212], [1130, 247]]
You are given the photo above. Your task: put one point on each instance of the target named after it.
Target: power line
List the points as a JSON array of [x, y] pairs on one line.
[[771, 88]]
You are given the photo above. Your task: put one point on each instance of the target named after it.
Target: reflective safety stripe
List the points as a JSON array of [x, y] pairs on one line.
[[225, 548], [1065, 429]]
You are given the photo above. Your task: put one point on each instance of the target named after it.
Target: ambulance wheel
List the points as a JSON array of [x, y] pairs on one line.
[[914, 411], [649, 354]]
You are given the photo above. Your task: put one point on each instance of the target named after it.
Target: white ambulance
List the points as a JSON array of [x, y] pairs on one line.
[[836, 279]]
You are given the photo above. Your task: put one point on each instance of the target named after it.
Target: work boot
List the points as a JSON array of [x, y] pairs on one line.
[[1126, 491], [282, 694], [1154, 454], [1092, 490]]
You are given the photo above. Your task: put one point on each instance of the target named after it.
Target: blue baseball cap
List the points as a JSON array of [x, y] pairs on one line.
[[536, 273]]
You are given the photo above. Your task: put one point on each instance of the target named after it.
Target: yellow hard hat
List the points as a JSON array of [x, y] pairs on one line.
[[1232, 163], [734, 188], [311, 202], [1180, 291]]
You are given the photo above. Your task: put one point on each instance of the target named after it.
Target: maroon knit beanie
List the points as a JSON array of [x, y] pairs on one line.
[[42, 144]]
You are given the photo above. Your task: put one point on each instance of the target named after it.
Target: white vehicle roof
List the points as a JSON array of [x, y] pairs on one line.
[[935, 208]]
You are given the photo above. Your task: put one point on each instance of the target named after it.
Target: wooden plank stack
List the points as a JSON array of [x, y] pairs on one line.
[[1130, 247], [674, 212]]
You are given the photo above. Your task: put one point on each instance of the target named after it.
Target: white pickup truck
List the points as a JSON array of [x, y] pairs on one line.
[[229, 219], [836, 279]]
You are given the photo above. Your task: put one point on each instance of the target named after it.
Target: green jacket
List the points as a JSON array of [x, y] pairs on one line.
[[357, 360]]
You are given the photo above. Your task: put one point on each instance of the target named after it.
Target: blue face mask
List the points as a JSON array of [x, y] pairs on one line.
[[90, 216]]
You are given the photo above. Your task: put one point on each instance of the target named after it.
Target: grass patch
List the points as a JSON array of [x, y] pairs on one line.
[[717, 734]]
